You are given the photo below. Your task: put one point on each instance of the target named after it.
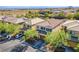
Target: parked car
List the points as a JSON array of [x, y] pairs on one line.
[[19, 35], [8, 37], [3, 34]]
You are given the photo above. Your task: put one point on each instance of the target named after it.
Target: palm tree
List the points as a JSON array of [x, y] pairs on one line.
[[56, 39]]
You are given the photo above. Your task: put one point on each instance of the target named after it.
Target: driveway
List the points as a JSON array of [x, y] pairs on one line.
[[8, 46]]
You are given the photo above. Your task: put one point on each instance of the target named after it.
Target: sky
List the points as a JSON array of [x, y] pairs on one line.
[[39, 2]]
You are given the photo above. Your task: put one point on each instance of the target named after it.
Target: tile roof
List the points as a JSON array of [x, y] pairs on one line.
[[72, 25], [75, 28], [20, 20], [34, 21], [12, 19], [51, 23]]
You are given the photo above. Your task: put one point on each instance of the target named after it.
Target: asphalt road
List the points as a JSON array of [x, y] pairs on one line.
[[8, 46]]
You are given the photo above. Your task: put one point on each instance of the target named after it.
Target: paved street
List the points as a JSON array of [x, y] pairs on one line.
[[6, 47]]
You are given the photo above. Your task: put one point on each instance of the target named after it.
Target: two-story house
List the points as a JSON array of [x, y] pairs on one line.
[[48, 26], [31, 23], [14, 20], [26, 22], [73, 30]]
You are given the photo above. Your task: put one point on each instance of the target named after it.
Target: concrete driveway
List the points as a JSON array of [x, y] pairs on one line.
[[8, 46]]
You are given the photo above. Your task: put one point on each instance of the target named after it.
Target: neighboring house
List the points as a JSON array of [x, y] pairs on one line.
[[69, 11], [48, 26], [73, 30], [56, 11], [12, 20], [30, 23], [27, 23], [65, 11]]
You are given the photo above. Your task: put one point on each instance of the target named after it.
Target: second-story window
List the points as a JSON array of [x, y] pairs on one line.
[[47, 29], [42, 28], [74, 38]]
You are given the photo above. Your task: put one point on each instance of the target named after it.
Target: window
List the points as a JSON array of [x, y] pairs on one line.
[[48, 29], [28, 26], [72, 32], [74, 38], [43, 28], [42, 31]]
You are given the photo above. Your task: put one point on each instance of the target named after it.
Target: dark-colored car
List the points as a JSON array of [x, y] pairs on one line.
[[19, 35]]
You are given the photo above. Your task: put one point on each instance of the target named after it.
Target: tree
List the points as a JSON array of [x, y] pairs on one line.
[[70, 16], [77, 47], [60, 16], [17, 28], [48, 14], [1, 26], [76, 16], [78, 10], [36, 14], [57, 38], [9, 28], [30, 34], [30, 12], [28, 15]]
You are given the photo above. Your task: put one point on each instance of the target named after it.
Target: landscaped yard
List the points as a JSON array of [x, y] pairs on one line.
[[13, 34]]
